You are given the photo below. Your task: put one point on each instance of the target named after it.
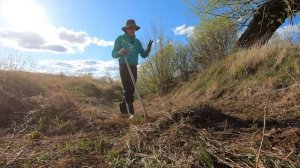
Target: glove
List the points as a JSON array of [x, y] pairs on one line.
[[123, 52], [149, 45]]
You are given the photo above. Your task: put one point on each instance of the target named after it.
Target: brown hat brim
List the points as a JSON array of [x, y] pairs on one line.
[[125, 27]]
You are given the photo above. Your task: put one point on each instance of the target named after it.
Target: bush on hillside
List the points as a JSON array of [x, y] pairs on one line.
[[212, 40], [173, 63], [157, 74]]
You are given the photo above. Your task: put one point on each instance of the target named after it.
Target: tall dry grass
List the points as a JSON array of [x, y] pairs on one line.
[[22, 92], [245, 75]]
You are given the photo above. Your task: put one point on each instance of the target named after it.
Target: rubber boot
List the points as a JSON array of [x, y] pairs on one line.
[[123, 108]]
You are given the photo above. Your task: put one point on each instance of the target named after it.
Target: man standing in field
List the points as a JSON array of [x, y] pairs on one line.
[[127, 45]]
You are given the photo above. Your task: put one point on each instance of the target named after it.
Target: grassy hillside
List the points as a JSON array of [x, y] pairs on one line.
[[215, 119], [248, 81], [22, 92]]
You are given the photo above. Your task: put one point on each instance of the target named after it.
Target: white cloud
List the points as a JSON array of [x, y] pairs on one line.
[[26, 27], [103, 43], [90, 62], [240, 19], [183, 30], [28, 40], [48, 38], [288, 31], [77, 67], [73, 37]]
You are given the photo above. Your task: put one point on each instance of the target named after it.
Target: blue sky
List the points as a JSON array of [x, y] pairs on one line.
[[76, 36]]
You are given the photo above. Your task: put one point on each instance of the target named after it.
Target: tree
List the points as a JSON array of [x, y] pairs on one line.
[[212, 39], [260, 17], [108, 77], [16, 62], [266, 21], [184, 62], [157, 73]]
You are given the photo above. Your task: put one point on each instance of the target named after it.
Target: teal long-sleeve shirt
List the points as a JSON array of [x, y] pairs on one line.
[[133, 45]]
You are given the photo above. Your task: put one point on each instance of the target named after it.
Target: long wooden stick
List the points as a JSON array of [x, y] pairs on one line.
[[136, 89]]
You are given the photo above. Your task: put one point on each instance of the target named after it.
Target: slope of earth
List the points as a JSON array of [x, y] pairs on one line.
[[242, 111]]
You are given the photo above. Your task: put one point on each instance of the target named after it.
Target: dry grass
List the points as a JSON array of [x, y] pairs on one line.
[[36, 109], [244, 78], [22, 92], [239, 85], [214, 120]]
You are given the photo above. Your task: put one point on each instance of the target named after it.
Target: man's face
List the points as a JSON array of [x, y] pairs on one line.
[[131, 31]]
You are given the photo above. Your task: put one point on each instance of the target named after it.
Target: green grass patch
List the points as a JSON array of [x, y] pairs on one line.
[[83, 89], [114, 158], [207, 158]]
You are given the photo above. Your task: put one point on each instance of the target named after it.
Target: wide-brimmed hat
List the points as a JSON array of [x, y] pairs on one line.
[[130, 23]]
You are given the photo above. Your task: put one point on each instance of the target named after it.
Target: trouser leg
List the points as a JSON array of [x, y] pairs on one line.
[[128, 87]]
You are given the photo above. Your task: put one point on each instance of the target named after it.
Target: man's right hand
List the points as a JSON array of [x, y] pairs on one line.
[[123, 52]]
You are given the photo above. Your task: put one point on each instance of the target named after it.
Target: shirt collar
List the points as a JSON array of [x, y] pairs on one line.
[[128, 36]]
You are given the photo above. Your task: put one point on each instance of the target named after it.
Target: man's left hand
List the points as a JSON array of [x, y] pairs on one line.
[[149, 45]]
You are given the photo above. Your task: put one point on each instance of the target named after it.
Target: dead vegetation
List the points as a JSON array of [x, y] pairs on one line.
[[214, 120], [206, 137]]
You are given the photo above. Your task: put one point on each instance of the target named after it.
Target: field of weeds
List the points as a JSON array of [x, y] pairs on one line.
[[241, 113]]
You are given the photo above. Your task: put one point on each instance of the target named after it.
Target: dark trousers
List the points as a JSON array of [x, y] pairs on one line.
[[128, 88]]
